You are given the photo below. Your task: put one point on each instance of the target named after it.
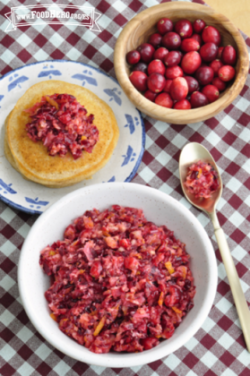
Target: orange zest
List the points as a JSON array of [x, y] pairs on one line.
[[99, 326]]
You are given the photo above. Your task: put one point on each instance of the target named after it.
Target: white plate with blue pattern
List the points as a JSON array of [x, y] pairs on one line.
[[34, 198]]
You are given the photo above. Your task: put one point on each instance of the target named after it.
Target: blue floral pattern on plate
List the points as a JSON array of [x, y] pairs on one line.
[[34, 198], [86, 77]]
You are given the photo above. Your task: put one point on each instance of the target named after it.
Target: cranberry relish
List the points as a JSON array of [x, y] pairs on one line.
[[118, 281], [62, 124], [202, 179]]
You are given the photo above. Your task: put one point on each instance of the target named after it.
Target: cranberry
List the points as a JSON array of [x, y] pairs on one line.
[[139, 80], [171, 40], [191, 62], [164, 25], [228, 55], [164, 100], [197, 37], [172, 58], [179, 89], [147, 51], [142, 67], [173, 72], [160, 53], [204, 75], [198, 26], [190, 44], [220, 49], [208, 52], [211, 92], [219, 83], [198, 99], [150, 95], [167, 86], [156, 66], [133, 57], [216, 65], [155, 40], [193, 84], [183, 104], [226, 73], [211, 35], [156, 82], [184, 28]]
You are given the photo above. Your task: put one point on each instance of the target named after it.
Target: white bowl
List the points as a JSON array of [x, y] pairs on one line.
[[158, 208]]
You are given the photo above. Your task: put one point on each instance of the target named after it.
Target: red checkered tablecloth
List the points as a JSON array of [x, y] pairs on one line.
[[218, 348]]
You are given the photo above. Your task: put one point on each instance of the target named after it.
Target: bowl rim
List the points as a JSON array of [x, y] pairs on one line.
[[165, 114], [114, 359]]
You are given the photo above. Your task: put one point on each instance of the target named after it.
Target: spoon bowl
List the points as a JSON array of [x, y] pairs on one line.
[[191, 153]]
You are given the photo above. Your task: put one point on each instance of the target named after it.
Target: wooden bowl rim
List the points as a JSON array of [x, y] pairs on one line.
[[184, 116]]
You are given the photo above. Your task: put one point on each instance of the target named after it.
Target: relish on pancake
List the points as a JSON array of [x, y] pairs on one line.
[[62, 124], [32, 159]]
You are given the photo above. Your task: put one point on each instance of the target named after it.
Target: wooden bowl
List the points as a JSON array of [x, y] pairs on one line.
[[138, 30]]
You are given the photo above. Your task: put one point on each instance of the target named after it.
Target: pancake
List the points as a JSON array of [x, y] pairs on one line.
[[32, 160]]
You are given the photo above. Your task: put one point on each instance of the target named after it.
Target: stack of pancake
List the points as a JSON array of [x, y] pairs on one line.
[[32, 159]]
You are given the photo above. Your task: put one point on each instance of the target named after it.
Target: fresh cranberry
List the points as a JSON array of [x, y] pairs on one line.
[[147, 51], [220, 49], [183, 104], [173, 72], [221, 85], [160, 53], [208, 52], [211, 92], [150, 95], [164, 100], [139, 80], [216, 65], [142, 67], [190, 44], [156, 82], [226, 73], [191, 62], [204, 75], [171, 40], [211, 35], [156, 66], [133, 57], [198, 26], [167, 86], [197, 37], [164, 25], [184, 28], [193, 84], [179, 89], [198, 99], [155, 40], [172, 58], [228, 55]]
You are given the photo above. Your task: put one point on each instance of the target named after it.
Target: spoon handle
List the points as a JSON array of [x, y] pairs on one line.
[[233, 278]]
